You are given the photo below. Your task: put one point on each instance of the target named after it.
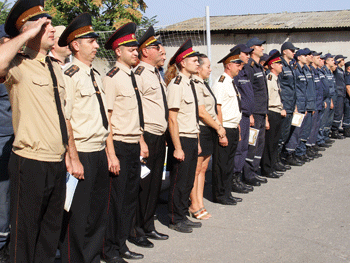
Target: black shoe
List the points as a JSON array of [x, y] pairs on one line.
[[317, 155], [337, 135], [156, 235], [318, 148], [181, 227], [291, 160], [248, 187], [131, 255], [280, 167], [192, 224], [225, 201], [271, 175], [330, 141], [239, 188], [114, 260], [245, 186], [141, 242], [278, 173], [260, 179], [252, 181], [4, 256], [237, 199], [324, 145]]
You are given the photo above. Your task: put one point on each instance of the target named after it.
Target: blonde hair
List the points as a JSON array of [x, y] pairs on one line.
[[171, 72]]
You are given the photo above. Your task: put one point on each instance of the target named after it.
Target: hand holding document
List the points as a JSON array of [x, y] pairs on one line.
[[253, 136], [297, 119], [71, 185]]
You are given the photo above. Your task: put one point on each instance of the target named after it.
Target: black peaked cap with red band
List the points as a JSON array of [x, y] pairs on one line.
[[80, 27], [274, 58], [124, 36], [233, 56], [148, 39], [185, 51], [23, 11]]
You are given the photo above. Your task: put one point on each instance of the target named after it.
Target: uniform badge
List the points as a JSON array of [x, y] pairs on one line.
[[71, 70], [112, 72], [270, 77], [252, 64], [178, 80], [222, 78], [139, 70]]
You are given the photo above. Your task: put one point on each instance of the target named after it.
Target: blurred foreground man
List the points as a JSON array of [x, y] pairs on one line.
[[37, 168]]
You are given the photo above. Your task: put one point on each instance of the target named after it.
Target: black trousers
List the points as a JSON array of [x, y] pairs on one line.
[[123, 196], [272, 137], [182, 177], [150, 185], [84, 226], [223, 163], [38, 191], [253, 159]]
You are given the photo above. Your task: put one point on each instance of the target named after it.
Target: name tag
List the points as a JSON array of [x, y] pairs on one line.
[[258, 75]]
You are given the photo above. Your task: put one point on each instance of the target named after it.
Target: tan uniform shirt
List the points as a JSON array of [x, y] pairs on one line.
[[83, 108], [204, 98], [273, 87], [226, 96], [180, 97], [34, 112], [121, 98], [152, 98]]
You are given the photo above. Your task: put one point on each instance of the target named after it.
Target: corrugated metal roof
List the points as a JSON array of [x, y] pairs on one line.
[[278, 21]]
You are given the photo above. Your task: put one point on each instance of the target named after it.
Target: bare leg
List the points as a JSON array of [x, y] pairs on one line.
[[201, 182]]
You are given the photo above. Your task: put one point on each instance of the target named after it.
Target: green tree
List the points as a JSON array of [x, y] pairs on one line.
[[4, 11], [107, 14]]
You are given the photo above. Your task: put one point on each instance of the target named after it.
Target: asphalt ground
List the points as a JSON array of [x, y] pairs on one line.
[[304, 216]]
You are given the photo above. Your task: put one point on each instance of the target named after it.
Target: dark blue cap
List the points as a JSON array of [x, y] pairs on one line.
[[300, 52], [288, 45], [347, 64], [315, 53], [307, 51], [273, 51], [337, 57], [255, 42], [243, 48], [264, 57], [2, 31], [326, 56]]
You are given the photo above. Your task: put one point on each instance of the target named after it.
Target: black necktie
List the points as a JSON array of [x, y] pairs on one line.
[[62, 120], [195, 99], [238, 98], [139, 103], [216, 109], [99, 98], [163, 94]]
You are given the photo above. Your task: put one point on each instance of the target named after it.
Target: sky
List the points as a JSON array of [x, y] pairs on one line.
[[173, 11]]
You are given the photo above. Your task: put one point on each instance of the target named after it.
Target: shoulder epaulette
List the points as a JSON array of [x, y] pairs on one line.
[[270, 77], [252, 64], [139, 70], [71, 70], [178, 80], [222, 78], [112, 72]]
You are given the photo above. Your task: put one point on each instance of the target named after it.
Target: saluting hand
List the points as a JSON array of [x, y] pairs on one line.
[[34, 28], [179, 155]]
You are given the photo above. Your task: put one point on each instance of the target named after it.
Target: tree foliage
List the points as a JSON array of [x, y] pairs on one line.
[[4, 10], [107, 14]]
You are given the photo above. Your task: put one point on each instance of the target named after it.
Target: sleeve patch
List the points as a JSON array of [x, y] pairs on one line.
[[139, 70], [270, 77], [178, 80], [222, 78], [72, 70], [112, 72]]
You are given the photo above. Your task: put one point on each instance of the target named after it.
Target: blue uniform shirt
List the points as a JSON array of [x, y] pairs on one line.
[[339, 76], [256, 75], [331, 81], [310, 90], [300, 88], [325, 83], [287, 82], [318, 88], [247, 94], [5, 113]]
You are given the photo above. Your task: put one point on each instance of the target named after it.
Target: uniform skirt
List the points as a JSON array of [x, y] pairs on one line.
[[206, 138]]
